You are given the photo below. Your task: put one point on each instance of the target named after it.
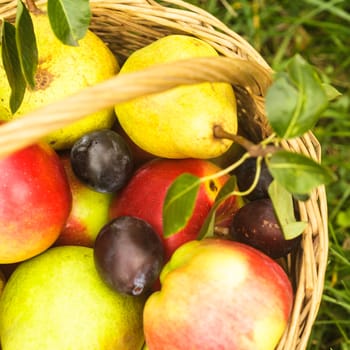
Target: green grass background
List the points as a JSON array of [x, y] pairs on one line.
[[319, 30]]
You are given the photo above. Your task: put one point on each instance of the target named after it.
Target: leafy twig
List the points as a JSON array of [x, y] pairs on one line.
[[254, 150]]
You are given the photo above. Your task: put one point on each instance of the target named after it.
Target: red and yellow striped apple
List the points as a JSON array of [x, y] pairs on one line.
[[218, 294], [145, 193], [35, 201], [89, 211]]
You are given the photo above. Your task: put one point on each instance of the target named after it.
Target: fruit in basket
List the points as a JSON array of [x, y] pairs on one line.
[[89, 213], [245, 174], [58, 301], [225, 213], [178, 123], [218, 294], [144, 196], [62, 71], [257, 225], [129, 255], [102, 160], [35, 201]]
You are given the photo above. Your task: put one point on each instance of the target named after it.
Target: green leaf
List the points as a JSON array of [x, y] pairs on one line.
[[301, 197], [295, 100], [69, 19], [298, 173], [179, 203], [26, 44], [12, 65], [207, 229], [293, 229], [282, 202], [226, 190], [331, 92]]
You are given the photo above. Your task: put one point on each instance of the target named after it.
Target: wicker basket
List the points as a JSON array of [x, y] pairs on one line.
[[127, 25]]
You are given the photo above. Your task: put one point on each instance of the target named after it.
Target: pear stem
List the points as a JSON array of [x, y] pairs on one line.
[[32, 7], [254, 150]]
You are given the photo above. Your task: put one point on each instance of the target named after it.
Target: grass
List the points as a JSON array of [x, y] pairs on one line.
[[320, 31]]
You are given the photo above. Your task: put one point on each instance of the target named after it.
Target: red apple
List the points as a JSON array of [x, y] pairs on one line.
[[225, 213], [145, 193], [89, 211], [35, 201], [218, 294]]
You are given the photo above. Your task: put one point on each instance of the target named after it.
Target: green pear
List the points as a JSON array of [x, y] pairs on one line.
[[62, 71], [57, 301], [179, 122]]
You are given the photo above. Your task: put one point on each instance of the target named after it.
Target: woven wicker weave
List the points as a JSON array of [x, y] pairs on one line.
[[127, 25]]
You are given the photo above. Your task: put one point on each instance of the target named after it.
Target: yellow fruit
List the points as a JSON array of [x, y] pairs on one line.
[[57, 301], [178, 123], [62, 71]]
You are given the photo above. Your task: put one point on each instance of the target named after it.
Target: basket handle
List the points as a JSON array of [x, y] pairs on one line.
[[33, 126]]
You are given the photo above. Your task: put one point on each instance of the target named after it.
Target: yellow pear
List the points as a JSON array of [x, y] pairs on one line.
[[62, 71], [57, 301], [178, 123]]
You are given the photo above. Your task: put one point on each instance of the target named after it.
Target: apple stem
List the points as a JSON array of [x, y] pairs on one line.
[[32, 7], [254, 150]]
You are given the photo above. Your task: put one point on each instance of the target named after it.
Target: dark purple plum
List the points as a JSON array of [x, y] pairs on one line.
[[102, 160], [245, 175], [256, 224], [128, 255]]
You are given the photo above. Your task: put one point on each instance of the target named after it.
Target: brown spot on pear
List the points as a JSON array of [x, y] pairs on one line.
[[43, 79]]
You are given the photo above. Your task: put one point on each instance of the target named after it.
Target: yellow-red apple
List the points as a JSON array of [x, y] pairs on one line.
[[88, 214], [145, 193], [218, 294], [35, 201]]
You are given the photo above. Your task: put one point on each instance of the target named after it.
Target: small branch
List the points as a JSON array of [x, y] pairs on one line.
[[255, 150]]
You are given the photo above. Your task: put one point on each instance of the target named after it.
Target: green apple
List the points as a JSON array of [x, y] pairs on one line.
[[90, 211], [218, 294], [57, 301]]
